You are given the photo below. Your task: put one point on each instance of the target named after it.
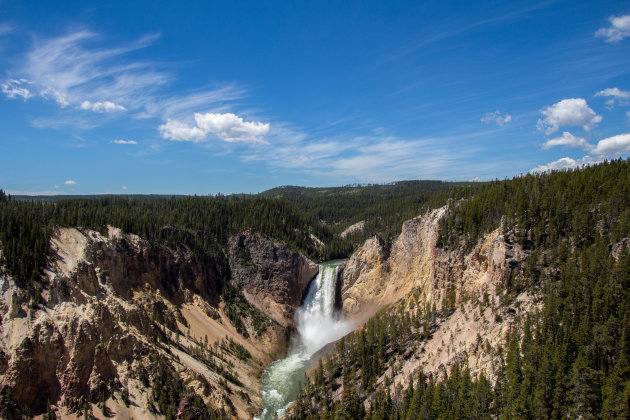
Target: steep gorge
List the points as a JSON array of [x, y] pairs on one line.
[[117, 307]]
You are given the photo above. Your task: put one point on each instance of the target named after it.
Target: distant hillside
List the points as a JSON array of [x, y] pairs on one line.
[[379, 208]]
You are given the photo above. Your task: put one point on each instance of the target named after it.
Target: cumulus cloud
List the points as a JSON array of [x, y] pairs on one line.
[[560, 164], [568, 140], [497, 117], [124, 142], [613, 146], [610, 147], [568, 112], [13, 88], [70, 182], [616, 95], [102, 106], [619, 29], [124, 188], [227, 126]]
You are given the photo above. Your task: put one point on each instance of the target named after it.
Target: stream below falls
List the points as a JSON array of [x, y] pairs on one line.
[[317, 325]]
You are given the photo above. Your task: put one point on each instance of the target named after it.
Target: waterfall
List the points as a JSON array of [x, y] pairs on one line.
[[317, 325]]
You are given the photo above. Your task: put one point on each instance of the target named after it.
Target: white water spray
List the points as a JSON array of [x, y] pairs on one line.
[[317, 325]]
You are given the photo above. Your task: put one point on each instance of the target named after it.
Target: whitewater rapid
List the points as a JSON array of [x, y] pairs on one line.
[[317, 325]]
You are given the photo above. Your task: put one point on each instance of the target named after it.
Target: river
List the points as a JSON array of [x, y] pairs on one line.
[[317, 325]]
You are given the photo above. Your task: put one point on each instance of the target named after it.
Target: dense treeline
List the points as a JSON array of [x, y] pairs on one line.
[[383, 208], [545, 207], [570, 359], [203, 224]]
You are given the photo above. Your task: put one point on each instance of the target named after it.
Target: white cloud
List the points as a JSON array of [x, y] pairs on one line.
[[124, 142], [497, 117], [616, 95], [104, 106], [564, 163], [567, 163], [610, 147], [615, 92], [124, 188], [13, 88], [619, 29], [226, 126], [371, 158], [613, 146], [568, 140], [568, 112], [178, 131], [67, 71], [70, 182]]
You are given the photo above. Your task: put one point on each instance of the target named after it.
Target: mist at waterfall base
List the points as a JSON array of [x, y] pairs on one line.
[[317, 325]]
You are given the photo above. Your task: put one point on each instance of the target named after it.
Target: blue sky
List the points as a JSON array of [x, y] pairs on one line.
[[208, 97]]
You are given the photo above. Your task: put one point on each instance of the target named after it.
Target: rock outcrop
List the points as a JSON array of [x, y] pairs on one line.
[[372, 277], [115, 305], [466, 285], [272, 277]]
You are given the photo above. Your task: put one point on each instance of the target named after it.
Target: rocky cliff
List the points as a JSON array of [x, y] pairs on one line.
[[115, 307], [466, 285], [273, 278]]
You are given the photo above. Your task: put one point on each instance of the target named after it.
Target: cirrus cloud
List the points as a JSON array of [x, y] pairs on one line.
[[13, 88], [226, 126], [568, 112], [497, 117], [124, 142]]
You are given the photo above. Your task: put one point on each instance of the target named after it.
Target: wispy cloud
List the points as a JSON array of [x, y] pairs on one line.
[[371, 158], [568, 112], [497, 117], [124, 142], [80, 71], [618, 30], [71, 70], [5, 28], [70, 182], [13, 88]]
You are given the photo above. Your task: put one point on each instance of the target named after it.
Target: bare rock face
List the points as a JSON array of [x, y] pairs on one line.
[[464, 285], [272, 277], [372, 279], [105, 308]]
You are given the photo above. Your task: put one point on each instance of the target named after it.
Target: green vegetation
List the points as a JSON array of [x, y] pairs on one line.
[[383, 208], [571, 359], [204, 224]]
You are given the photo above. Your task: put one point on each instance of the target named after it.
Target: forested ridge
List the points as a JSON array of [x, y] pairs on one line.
[[570, 359], [204, 224], [383, 208]]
